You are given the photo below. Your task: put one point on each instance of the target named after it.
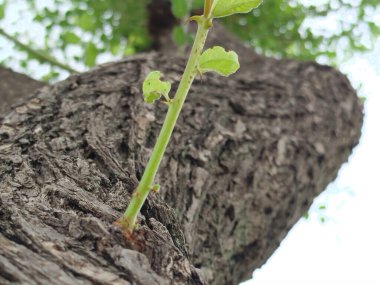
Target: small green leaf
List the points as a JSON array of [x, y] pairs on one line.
[[85, 22], [156, 188], [2, 11], [180, 37], [197, 4], [322, 207], [218, 60], [90, 54], [180, 8], [70, 38], [224, 8], [154, 88]]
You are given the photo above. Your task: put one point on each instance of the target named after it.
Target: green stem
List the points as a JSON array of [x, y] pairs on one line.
[[144, 187], [37, 54], [207, 8]]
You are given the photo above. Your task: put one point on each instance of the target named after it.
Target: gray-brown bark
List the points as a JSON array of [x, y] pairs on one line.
[[14, 87], [247, 157]]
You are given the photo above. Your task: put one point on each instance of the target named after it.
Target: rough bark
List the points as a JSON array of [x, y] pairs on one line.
[[246, 160], [14, 87]]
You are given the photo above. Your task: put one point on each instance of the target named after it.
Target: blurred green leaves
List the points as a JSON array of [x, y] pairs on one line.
[[83, 31], [180, 37], [85, 22], [294, 30], [93, 28], [2, 10], [180, 8], [70, 38], [90, 54]]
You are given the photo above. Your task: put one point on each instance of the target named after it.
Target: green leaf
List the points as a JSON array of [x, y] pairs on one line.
[[50, 76], [85, 22], [156, 188], [70, 38], [197, 4], [180, 8], [154, 88], [218, 60], [90, 54], [2, 10], [322, 207], [224, 8], [180, 37]]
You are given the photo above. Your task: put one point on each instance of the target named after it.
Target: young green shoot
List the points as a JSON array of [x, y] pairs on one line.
[[215, 59]]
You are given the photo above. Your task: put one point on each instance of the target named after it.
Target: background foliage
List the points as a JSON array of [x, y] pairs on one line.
[[83, 31]]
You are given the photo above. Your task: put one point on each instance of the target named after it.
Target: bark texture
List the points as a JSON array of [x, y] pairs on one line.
[[247, 158], [14, 87]]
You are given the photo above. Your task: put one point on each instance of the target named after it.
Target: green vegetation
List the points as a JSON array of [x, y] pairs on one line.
[[215, 59], [115, 28]]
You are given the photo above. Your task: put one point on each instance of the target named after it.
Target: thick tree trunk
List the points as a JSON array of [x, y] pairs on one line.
[[247, 158]]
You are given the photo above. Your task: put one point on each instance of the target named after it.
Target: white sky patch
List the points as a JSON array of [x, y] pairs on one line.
[[346, 248]]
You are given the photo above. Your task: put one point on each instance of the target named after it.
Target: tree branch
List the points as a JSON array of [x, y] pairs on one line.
[[43, 57]]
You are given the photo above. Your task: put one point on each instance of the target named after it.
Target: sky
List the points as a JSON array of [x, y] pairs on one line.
[[345, 248]]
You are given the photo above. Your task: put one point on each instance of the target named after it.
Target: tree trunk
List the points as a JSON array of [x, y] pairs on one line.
[[14, 87], [247, 158]]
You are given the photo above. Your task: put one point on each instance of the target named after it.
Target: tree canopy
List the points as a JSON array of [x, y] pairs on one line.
[[83, 31]]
